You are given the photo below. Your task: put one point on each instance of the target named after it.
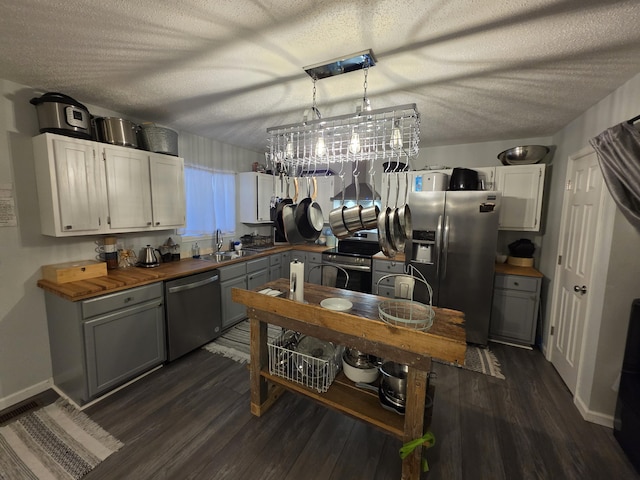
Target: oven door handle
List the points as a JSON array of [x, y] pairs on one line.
[[359, 268]]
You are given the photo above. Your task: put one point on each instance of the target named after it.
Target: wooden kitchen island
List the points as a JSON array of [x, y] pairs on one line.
[[360, 329]]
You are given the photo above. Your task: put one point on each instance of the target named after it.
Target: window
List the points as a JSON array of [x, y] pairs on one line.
[[210, 201]]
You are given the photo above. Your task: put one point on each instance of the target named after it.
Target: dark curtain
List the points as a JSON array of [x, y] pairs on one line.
[[618, 150]]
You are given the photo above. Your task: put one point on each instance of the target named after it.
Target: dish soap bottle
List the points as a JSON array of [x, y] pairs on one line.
[[195, 250]]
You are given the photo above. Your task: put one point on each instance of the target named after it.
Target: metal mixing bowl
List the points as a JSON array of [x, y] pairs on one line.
[[525, 155]]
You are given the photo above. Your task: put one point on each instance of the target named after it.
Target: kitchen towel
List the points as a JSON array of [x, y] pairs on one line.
[[296, 281]]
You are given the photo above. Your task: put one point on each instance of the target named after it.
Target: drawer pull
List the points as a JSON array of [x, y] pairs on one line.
[[128, 299], [516, 284]]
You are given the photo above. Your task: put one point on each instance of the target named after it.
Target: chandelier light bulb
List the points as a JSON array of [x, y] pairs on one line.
[[289, 149], [354, 144], [396, 138], [321, 148]]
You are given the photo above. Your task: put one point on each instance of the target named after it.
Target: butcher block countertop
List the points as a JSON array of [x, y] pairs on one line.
[[125, 278]]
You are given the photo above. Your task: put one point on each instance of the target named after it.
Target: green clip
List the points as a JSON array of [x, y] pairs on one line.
[[428, 440]]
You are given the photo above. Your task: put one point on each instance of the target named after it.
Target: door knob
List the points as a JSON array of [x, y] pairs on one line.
[[582, 290]]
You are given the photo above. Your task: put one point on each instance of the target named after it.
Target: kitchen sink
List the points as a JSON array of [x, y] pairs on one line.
[[224, 256]]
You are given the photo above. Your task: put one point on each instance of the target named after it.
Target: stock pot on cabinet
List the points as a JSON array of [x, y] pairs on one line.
[[117, 131]]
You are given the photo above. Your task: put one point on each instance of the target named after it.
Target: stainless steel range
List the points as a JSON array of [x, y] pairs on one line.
[[355, 255]]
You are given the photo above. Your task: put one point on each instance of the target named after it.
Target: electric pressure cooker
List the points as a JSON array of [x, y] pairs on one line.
[[59, 113]]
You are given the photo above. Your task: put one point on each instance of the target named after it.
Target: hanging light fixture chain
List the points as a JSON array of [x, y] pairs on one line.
[[366, 105]]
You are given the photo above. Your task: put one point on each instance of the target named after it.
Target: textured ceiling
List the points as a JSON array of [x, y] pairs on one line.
[[479, 70]]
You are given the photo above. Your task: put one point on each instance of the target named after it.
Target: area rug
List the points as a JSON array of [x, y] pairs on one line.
[[481, 360], [53, 442], [234, 344]]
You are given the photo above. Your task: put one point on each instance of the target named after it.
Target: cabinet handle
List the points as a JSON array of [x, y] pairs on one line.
[[68, 227], [157, 223], [128, 299], [516, 284], [149, 223]]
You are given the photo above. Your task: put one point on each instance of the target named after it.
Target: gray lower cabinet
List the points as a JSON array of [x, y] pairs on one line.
[[313, 260], [275, 266], [385, 286], [285, 264], [232, 276], [257, 272], [514, 311], [101, 343]]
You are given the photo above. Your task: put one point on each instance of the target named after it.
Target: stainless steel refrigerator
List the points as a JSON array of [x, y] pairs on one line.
[[454, 246]]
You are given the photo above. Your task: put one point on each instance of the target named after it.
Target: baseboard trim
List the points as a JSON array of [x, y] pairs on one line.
[[109, 393], [27, 393], [591, 416]]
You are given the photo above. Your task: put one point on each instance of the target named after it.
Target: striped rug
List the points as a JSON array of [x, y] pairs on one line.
[[481, 360], [234, 344], [53, 442]]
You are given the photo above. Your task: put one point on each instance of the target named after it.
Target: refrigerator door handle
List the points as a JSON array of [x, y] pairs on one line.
[[438, 245], [445, 247]]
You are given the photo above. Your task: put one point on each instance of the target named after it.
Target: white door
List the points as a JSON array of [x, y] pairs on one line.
[[582, 201]]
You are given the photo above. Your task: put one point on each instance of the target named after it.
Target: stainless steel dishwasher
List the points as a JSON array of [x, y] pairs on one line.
[[193, 313]]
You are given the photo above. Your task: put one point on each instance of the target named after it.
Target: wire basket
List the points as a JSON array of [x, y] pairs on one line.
[[308, 370], [405, 312]]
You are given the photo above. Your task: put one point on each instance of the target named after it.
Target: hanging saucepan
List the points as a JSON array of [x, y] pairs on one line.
[[336, 218], [394, 236], [404, 213], [369, 215], [383, 227], [308, 215], [291, 232], [278, 221]]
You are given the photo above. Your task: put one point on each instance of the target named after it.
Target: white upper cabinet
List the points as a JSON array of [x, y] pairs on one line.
[[128, 188], [167, 191], [71, 186], [86, 188], [522, 188], [256, 190]]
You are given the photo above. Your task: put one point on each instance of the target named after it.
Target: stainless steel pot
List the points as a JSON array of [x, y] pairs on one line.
[[117, 131], [394, 382], [61, 114]]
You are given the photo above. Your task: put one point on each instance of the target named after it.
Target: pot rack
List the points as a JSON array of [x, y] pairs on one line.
[[387, 134]]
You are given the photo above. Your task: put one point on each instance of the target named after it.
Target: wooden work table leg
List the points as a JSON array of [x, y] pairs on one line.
[[262, 396], [414, 421], [259, 359]]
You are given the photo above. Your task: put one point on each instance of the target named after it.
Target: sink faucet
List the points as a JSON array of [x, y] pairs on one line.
[[219, 239]]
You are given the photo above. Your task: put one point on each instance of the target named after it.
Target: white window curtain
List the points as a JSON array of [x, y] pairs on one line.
[[210, 199]]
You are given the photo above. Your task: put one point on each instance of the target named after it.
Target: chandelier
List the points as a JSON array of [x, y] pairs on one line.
[[388, 134]]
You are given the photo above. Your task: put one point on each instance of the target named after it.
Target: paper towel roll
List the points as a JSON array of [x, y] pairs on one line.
[[296, 281]]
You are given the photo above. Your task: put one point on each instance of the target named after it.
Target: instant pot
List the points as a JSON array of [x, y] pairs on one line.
[[59, 113]]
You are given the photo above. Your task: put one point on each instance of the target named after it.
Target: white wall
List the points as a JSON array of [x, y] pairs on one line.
[[25, 367]]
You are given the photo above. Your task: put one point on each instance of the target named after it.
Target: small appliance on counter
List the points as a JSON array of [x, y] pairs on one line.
[[464, 179], [61, 114], [148, 258]]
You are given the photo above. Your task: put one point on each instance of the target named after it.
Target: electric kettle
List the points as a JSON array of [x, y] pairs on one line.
[[148, 257]]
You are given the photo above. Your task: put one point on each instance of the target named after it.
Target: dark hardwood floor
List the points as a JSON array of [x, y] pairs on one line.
[[191, 420]]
